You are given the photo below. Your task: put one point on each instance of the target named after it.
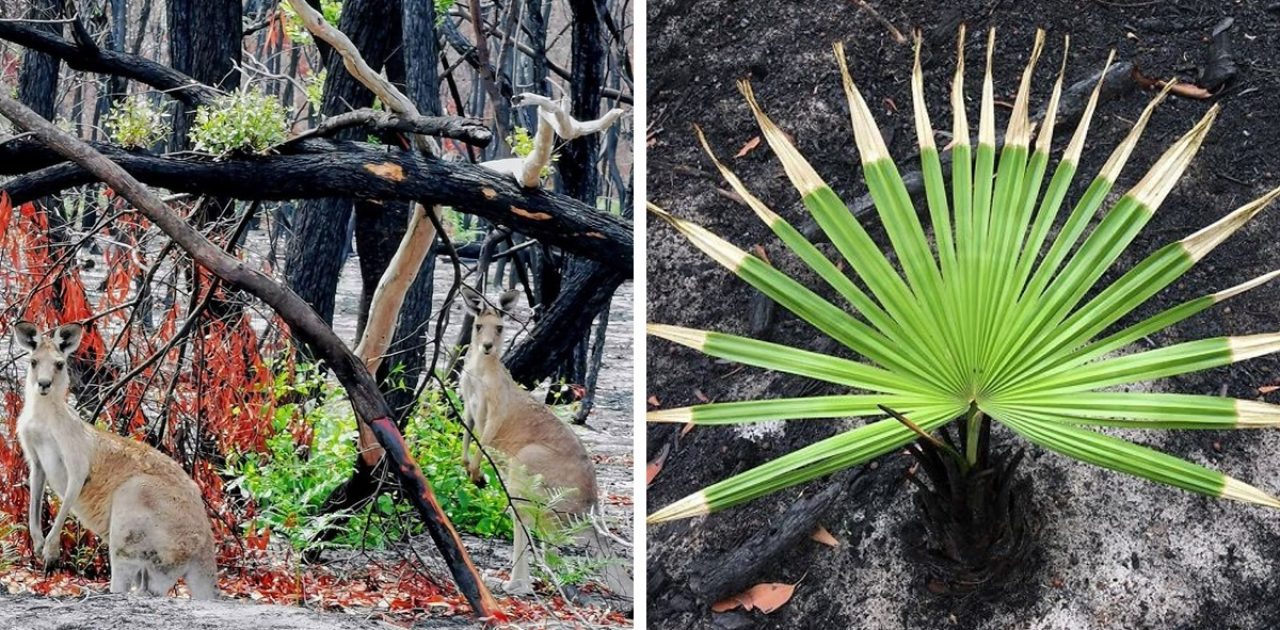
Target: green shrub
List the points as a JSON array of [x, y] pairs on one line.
[[290, 482], [244, 121], [134, 123]]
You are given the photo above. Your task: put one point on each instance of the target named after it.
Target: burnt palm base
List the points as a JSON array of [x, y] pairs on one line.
[[976, 524]]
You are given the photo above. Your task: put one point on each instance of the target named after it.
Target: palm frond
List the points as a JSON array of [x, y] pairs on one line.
[[981, 310]]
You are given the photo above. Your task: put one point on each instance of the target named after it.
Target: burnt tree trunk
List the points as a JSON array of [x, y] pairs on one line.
[[320, 241], [204, 43], [112, 87], [38, 90], [578, 290], [379, 228]]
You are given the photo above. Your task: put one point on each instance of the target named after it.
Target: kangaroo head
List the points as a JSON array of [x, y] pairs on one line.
[[487, 334], [48, 354]]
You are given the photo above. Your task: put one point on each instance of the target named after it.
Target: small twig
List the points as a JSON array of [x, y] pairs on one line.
[[893, 30], [938, 444]]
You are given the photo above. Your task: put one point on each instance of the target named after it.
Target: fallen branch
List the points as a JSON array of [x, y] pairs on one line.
[[366, 400], [345, 169], [138, 68], [737, 569], [469, 130]]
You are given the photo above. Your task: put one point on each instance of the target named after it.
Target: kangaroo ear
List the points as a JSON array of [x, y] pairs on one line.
[[26, 334], [472, 300], [507, 300], [68, 337]]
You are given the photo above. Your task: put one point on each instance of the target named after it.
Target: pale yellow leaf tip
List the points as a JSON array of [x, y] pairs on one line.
[[679, 415], [987, 110], [662, 214], [802, 175], [1249, 346], [1199, 245], [1226, 294], [764, 212], [1240, 491], [1252, 414], [866, 134], [1018, 132], [688, 507], [1115, 162], [924, 130], [959, 120], [1045, 139], [1152, 189], [690, 337], [1076, 145]]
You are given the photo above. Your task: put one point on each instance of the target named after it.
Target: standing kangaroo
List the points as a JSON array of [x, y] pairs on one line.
[[543, 454], [135, 498]]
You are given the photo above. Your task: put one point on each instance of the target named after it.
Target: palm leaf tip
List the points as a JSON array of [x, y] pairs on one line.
[[1247, 347], [1255, 414], [693, 505], [1226, 294], [866, 133], [680, 415], [1018, 131], [1199, 245], [802, 175], [1237, 490], [1159, 181], [687, 337]]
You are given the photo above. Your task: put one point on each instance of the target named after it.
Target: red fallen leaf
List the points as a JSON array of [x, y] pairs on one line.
[[697, 393], [762, 254], [687, 428], [655, 466], [654, 402], [747, 148], [821, 535], [766, 598], [1267, 389]]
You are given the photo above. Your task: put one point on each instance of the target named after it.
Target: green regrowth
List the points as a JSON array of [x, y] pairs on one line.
[[996, 315]]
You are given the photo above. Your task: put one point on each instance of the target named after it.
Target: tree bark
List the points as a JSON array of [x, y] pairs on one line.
[[38, 75], [354, 170], [315, 253], [204, 44]]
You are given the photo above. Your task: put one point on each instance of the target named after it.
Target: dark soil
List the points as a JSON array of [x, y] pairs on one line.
[[1114, 551]]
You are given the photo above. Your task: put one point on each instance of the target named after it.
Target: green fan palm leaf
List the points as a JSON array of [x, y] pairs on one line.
[[993, 307]]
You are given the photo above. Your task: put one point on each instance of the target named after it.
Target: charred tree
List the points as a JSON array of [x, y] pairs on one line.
[[321, 238], [204, 43], [380, 226]]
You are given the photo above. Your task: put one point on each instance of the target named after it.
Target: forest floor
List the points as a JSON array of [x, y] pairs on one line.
[[1111, 551], [356, 578]]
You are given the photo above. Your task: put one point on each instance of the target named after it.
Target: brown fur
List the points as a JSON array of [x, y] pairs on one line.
[[542, 453], [139, 501]]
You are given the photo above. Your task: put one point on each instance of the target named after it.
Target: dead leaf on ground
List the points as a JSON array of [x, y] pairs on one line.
[[766, 598], [687, 428], [747, 148], [821, 535], [654, 402], [1185, 90], [702, 398], [655, 466], [1267, 389]]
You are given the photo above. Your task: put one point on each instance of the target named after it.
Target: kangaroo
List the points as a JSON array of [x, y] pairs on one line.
[[135, 498], [542, 453]]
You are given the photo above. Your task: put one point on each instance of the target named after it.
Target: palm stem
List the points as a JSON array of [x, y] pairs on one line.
[[973, 419]]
